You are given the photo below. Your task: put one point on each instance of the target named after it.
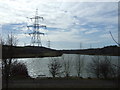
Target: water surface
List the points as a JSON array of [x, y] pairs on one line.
[[39, 66]]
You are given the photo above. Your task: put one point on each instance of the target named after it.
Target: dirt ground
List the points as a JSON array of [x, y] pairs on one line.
[[62, 83]]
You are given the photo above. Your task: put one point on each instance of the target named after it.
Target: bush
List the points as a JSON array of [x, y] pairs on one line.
[[89, 78], [101, 67], [18, 69]]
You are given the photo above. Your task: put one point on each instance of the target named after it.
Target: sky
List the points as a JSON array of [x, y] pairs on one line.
[[69, 23]]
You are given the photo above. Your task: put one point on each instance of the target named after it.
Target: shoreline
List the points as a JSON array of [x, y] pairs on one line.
[[34, 52]]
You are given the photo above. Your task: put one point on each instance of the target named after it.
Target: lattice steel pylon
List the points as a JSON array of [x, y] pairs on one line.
[[36, 33]]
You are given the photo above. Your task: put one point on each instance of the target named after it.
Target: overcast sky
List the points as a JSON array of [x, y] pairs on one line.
[[69, 23]]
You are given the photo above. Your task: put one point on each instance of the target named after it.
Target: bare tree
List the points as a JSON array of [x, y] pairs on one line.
[[116, 70], [114, 39], [106, 67], [11, 40], [6, 63], [101, 67], [55, 67], [2, 41], [79, 63], [94, 66], [66, 65]]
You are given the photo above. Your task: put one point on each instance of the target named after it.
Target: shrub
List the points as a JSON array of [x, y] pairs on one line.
[[101, 67], [18, 69]]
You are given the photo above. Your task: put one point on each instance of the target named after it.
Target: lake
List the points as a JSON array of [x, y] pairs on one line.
[[39, 66]]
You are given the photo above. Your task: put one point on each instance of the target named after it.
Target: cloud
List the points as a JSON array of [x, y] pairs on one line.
[[21, 36], [91, 31], [66, 21], [57, 14], [105, 36], [108, 36]]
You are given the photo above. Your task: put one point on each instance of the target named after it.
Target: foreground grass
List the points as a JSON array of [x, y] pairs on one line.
[[71, 82]]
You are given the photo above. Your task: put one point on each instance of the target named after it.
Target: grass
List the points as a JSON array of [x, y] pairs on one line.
[[58, 82]]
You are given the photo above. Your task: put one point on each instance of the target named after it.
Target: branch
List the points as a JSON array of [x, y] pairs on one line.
[[114, 39]]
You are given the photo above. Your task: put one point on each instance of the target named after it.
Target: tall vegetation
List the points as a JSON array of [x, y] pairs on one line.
[[79, 64], [67, 65], [101, 67], [106, 68], [55, 67], [11, 40], [94, 66], [6, 63], [2, 41], [18, 69]]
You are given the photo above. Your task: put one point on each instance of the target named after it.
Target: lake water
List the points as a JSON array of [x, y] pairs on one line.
[[39, 66]]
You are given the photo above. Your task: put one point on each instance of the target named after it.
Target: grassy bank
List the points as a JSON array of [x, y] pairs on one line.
[[61, 83]]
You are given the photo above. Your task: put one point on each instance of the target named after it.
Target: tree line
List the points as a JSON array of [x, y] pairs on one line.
[[99, 67]]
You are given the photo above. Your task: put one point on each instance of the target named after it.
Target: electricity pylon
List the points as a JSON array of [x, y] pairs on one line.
[[36, 34], [49, 44]]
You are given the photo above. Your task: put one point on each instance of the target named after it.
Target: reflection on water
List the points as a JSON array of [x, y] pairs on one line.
[[39, 66]]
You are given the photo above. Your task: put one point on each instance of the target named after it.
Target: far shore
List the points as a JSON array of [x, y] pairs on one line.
[[35, 51]]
